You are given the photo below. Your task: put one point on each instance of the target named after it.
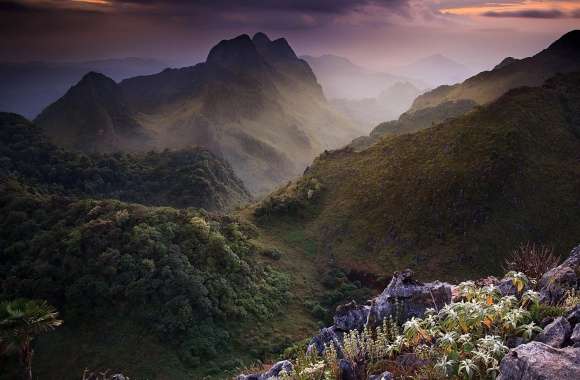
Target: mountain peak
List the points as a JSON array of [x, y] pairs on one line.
[[568, 42], [235, 52], [261, 39], [93, 76]]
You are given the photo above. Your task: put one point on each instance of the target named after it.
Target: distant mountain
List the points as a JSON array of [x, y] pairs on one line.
[[446, 102], [29, 87], [560, 57], [192, 177], [252, 102], [342, 79], [435, 70], [389, 105], [452, 200]]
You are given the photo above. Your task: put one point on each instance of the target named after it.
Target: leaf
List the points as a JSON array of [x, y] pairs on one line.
[[487, 321], [519, 286], [489, 300]]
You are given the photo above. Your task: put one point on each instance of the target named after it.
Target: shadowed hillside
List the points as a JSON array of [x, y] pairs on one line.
[[450, 200]]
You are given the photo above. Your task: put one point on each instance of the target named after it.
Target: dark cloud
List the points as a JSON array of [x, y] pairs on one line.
[[530, 13]]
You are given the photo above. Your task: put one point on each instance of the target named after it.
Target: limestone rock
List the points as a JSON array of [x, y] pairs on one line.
[[405, 298], [558, 280], [556, 333], [575, 337], [272, 374], [383, 376], [351, 316], [538, 361]]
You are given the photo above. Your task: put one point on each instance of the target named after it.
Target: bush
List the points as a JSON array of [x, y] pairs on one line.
[[532, 260]]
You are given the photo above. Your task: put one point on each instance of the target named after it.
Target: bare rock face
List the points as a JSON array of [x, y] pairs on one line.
[[575, 337], [558, 280], [405, 298], [272, 374], [556, 333], [538, 361], [383, 376], [351, 316], [327, 335]]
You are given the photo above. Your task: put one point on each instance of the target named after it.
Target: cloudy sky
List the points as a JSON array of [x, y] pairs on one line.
[[374, 33]]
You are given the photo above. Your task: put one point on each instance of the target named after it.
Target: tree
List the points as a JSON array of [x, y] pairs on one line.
[[21, 321]]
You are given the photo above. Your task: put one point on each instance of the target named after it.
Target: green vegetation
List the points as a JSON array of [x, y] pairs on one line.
[[454, 200], [188, 178], [190, 277], [463, 340], [22, 321]]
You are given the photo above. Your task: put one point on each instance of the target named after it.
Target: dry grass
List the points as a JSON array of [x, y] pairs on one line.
[[533, 260]]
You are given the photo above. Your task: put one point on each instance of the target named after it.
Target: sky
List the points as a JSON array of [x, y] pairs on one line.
[[377, 34]]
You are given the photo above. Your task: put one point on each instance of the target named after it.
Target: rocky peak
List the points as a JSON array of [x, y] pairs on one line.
[[237, 52]]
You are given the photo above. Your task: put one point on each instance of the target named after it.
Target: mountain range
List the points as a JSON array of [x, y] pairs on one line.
[[252, 102], [435, 70], [28, 87], [446, 102]]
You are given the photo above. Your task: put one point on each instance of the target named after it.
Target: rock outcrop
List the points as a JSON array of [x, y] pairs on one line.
[[405, 298], [272, 374], [556, 282], [538, 361], [556, 333]]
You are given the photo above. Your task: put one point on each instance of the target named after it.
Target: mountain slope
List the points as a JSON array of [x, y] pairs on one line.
[[252, 102], [192, 177], [560, 57], [450, 200], [436, 70], [28, 87], [447, 102]]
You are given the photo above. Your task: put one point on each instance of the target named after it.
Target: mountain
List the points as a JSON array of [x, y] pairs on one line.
[[560, 57], [342, 79], [446, 102], [435, 70], [191, 177], [252, 102], [389, 105], [451, 200], [28, 87]]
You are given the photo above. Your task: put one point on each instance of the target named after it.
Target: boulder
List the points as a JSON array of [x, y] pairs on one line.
[[272, 374], [538, 361], [575, 337], [573, 315], [327, 335], [405, 298], [558, 280], [383, 376], [351, 316], [556, 333], [507, 288]]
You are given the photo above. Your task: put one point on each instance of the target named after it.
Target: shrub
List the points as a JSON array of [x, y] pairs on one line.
[[533, 260]]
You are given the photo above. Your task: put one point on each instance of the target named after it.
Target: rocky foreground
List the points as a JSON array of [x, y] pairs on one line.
[[552, 353]]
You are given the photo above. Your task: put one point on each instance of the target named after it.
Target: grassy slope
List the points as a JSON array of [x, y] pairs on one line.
[[453, 200]]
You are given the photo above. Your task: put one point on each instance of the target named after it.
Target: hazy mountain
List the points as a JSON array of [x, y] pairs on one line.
[[342, 79], [435, 70], [252, 102], [389, 105], [560, 57], [451, 200], [30, 86], [446, 102]]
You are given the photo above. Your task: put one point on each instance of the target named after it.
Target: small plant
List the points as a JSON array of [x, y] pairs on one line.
[[532, 260]]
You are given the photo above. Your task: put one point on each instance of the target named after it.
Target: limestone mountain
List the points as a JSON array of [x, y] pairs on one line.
[[252, 102], [436, 70], [446, 102], [451, 199]]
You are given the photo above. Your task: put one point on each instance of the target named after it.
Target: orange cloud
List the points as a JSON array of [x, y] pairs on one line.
[[523, 8]]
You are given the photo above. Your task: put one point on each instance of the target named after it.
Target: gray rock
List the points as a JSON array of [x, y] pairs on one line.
[[351, 316], [538, 361], [507, 288], [558, 280], [383, 376], [272, 374], [327, 335], [346, 370], [405, 298], [574, 315], [514, 341], [556, 333], [575, 337]]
